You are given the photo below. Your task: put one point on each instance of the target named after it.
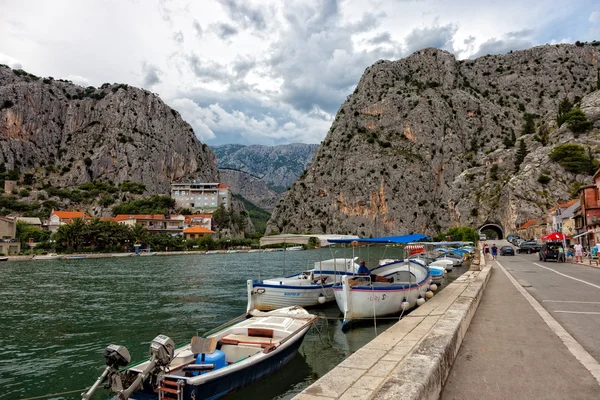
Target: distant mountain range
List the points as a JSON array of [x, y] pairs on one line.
[[277, 166]]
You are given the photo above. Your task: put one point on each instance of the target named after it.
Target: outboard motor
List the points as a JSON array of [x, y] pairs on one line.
[[161, 355], [116, 357]]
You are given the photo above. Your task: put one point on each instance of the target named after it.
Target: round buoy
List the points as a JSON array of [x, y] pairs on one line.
[[321, 299], [429, 294], [420, 301], [433, 287], [404, 305]]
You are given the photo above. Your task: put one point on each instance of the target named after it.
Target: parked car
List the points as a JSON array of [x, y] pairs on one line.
[[552, 251], [528, 247], [507, 251]]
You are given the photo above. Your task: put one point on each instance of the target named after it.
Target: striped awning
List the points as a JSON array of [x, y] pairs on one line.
[[414, 247]]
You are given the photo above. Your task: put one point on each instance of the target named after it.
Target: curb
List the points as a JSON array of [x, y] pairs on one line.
[[423, 373]]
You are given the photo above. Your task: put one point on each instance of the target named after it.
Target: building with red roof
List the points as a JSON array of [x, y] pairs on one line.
[[196, 232]]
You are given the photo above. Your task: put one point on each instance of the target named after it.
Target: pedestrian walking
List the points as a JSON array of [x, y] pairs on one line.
[[486, 251], [578, 252], [494, 252]]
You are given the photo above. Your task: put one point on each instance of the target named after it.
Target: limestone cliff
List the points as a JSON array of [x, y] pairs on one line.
[[68, 135], [413, 149]]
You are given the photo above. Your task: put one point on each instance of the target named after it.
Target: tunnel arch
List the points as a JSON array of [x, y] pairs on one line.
[[494, 227]]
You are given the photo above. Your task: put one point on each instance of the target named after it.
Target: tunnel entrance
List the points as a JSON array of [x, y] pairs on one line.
[[492, 231]]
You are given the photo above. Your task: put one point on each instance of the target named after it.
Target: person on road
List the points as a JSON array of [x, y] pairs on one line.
[[494, 252], [578, 252], [486, 251]]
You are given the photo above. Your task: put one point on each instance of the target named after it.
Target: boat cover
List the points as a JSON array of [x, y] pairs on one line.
[[388, 239]]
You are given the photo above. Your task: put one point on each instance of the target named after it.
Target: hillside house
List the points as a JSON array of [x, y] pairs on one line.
[[8, 230], [59, 218], [172, 224], [31, 221], [203, 220], [203, 197], [196, 232]]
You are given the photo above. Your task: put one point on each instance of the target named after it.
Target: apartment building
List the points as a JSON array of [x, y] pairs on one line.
[[201, 197]]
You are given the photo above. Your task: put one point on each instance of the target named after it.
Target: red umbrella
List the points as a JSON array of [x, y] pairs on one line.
[[554, 236]]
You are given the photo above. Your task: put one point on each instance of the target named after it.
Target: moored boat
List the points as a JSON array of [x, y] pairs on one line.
[[74, 257], [308, 288], [49, 256], [232, 356], [148, 253], [3, 258], [122, 254]]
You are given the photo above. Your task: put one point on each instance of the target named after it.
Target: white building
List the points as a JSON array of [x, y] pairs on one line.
[[201, 197]]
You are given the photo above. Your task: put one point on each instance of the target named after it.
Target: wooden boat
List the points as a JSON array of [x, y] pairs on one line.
[[122, 254], [230, 357], [360, 298], [306, 289], [49, 256]]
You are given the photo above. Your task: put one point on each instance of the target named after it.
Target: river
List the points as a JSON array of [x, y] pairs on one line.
[[57, 316]]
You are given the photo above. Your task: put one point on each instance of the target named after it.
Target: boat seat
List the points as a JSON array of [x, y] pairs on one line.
[[404, 277], [245, 339]]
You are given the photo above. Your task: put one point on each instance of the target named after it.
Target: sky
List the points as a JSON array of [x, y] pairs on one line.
[[270, 71]]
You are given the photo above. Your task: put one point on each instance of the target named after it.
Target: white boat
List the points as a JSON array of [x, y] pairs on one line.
[[75, 257], [148, 253], [232, 356], [122, 254], [232, 251], [306, 289], [359, 298], [294, 248], [49, 256], [446, 264], [212, 252]]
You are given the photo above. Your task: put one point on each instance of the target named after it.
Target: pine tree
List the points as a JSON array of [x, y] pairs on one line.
[[520, 156]]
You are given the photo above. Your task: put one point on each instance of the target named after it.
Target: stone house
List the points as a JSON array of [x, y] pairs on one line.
[[8, 230]]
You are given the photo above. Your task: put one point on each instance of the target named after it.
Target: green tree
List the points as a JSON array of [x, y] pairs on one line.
[[151, 205], [563, 108], [139, 233], [26, 231], [510, 141], [577, 121], [494, 172], [574, 158], [529, 126], [71, 235], [222, 217], [520, 155]]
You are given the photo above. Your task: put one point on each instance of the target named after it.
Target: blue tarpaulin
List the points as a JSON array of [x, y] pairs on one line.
[[388, 239]]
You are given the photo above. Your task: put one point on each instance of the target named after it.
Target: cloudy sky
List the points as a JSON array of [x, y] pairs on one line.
[[269, 71]]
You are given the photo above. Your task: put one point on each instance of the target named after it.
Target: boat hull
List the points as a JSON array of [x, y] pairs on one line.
[[239, 379], [266, 297]]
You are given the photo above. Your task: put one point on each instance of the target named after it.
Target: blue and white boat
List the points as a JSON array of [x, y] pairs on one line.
[[361, 298], [306, 289], [232, 356]]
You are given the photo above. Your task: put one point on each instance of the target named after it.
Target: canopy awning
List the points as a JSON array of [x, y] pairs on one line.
[[303, 239], [404, 239], [581, 234], [553, 237]]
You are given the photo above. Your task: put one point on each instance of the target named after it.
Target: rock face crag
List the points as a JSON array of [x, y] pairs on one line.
[[421, 145], [251, 187], [68, 135], [278, 166]]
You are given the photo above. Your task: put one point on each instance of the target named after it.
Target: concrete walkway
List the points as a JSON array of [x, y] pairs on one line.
[[509, 352]]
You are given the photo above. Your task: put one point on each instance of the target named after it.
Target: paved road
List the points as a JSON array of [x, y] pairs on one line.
[[509, 350], [575, 304]]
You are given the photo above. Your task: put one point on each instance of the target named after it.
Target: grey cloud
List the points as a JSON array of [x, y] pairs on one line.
[[317, 61], [178, 37], [519, 34], [225, 31], [198, 28], [151, 75], [502, 46], [242, 66], [440, 37], [381, 38], [244, 15], [469, 41], [207, 70]]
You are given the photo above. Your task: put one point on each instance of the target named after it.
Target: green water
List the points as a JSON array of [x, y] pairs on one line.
[[57, 316]]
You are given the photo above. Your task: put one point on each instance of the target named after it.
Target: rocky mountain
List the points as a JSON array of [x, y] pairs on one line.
[[428, 142], [67, 135], [251, 187], [278, 166]]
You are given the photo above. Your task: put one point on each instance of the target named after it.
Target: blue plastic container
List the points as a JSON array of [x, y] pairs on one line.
[[217, 358]]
